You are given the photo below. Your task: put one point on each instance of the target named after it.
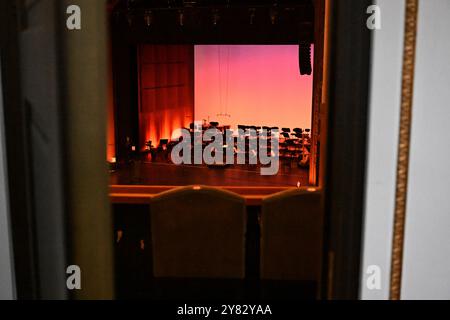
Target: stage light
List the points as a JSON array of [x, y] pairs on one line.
[[130, 19], [129, 15], [181, 17], [148, 17], [273, 15], [252, 15], [216, 16], [169, 3]]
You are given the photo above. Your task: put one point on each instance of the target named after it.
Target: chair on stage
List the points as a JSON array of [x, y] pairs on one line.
[[307, 132], [163, 143], [291, 242], [293, 151], [298, 133], [162, 151], [283, 148], [242, 127], [198, 242]]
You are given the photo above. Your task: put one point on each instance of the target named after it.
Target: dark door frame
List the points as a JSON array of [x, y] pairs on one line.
[[346, 156], [22, 223], [344, 184], [350, 58]]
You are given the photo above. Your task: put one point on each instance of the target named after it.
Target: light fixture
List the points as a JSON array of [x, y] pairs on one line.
[[181, 17], [130, 19], [216, 16], [129, 15], [252, 15], [148, 17], [273, 15]]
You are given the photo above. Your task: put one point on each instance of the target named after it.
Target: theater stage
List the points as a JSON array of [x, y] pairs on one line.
[[166, 174]]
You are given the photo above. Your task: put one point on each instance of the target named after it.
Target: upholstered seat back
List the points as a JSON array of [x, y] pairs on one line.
[[291, 236], [198, 232]]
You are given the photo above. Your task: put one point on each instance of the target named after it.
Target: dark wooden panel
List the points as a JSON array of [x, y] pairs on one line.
[[166, 89]]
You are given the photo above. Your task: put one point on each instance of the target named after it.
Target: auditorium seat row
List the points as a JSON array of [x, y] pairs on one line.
[[200, 232]]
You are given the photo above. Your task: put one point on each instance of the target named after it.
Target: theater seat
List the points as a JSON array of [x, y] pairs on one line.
[[291, 236], [198, 232]]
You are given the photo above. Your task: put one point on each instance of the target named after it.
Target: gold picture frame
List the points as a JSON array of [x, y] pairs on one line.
[[409, 52]]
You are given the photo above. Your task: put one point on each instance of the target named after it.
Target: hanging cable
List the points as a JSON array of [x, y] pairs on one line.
[[220, 79], [227, 82]]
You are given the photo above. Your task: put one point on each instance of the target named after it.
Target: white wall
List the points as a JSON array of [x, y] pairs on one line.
[[6, 270], [385, 93], [426, 265]]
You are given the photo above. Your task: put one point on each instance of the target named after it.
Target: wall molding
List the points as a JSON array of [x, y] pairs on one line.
[[409, 53]]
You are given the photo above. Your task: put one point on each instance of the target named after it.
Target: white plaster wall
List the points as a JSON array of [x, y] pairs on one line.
[[385, 93], [426, 264]]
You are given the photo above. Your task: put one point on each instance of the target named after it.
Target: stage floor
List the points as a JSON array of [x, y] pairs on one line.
[[166, 174]]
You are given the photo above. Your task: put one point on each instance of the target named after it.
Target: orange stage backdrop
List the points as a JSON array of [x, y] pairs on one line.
[[257, 85], [166, 90]]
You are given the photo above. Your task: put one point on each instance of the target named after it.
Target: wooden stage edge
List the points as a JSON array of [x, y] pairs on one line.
[[141, 194]]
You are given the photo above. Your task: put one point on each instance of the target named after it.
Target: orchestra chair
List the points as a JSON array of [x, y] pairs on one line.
[[298, 132], [198, 243], [283, 148], [162, 149], [307, 132], [291, 243]]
